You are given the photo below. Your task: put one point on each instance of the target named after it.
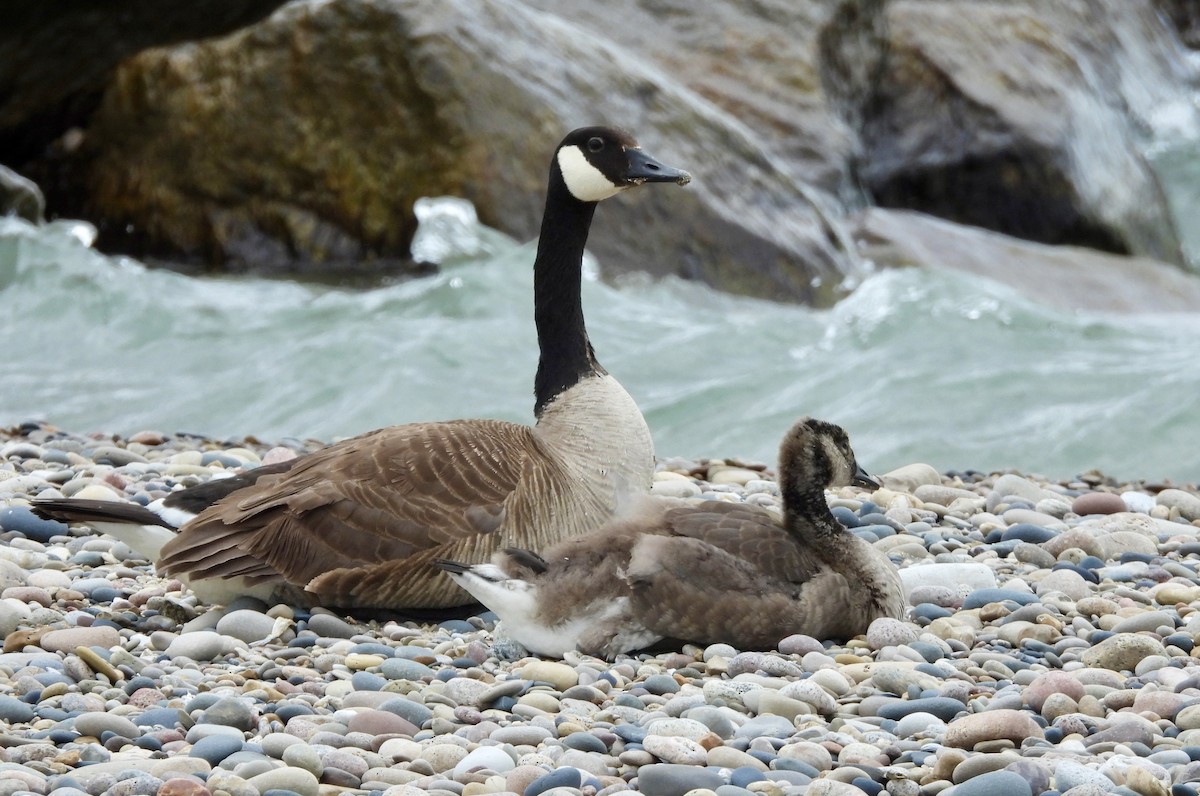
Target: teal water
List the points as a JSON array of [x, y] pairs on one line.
[[919, 365]]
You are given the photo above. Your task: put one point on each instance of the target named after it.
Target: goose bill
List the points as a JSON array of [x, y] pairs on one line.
[[864, 479], [644, 168]]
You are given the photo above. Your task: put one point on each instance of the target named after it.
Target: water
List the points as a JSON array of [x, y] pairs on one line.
[[919, 365]]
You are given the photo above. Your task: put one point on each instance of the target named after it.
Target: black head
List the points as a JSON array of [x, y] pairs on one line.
[[599, 162]]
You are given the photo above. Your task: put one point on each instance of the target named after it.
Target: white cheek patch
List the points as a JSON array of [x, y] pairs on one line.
[[585, 182]]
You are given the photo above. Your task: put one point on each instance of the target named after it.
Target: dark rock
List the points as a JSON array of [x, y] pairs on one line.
[[669, 779], [981, 597], [1185, 15], [1039, 98], [559, 778], [944, 708], [215, 748], [24, 521], [469, 115], [995, 783], [1027, 532]]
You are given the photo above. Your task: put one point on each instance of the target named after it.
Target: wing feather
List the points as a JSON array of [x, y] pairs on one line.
[[375, 499]]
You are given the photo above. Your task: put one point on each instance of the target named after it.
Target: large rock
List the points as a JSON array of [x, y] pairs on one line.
[[307, 138], [1185, 15], [1069, 277], [58, 57], [1023, 117], [795, 73], [301, 143]]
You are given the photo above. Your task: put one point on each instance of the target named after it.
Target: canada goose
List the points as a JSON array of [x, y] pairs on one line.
[[705, 572], [357, 523]]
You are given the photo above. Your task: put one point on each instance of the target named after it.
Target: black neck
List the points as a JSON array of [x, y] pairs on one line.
[[806, 515], [565, 352]]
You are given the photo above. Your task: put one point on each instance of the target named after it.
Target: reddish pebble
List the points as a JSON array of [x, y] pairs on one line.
[[1052, 682], [183, 786], [276, 455], [381, 722], [148, 438], [27, 594], [1098, 503]]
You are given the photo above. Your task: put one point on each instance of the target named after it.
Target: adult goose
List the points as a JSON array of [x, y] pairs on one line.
[[705, 572], [358, 523]]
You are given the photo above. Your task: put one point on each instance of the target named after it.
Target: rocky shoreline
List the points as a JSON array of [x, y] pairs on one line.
[[1049, 649]]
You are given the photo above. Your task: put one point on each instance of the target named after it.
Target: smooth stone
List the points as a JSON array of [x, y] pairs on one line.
[[911, 476], [981, 597], [1016, 486], [199, 645], [811, 692], [559, 675], [14, 711], [331, 626], [409, 710], [303, 756], [1098, 503], [22, 520], [1068, 774], [231, 712], [1187, 503], [1027, 532], [974, 728], [1067, 581], [246, 625], [1049, 683], [919, 722], [767, 726], [405, 669], [1148, 621], [465, 691], [889, 632], [559, 778], [215, 748], [381, 722], [666, 779], [485, 757], [994, 783], [683, 728], [675, 749], [296, 780], [96, 724], [943, 495], [943, 708], [68, 639], [1121, 652], [1138, 502]]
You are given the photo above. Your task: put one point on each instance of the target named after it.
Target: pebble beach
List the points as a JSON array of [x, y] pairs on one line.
[[1050, 648]]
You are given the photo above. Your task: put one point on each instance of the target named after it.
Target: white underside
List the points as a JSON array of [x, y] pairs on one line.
[[148, 540], [515, 602]]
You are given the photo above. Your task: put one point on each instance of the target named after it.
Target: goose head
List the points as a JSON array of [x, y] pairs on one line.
[[599, 162], [815, 455]]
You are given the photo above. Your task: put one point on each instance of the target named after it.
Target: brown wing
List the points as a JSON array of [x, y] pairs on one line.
[[380, 497], [750, 533], [685, 588]]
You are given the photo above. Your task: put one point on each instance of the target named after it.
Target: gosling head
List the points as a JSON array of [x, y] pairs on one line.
[[599, 162], [818, 453]]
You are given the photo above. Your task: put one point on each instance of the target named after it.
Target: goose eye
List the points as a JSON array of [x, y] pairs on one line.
[[595, 144]]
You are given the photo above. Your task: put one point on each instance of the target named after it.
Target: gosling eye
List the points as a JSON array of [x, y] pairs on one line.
[[595, 144]]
